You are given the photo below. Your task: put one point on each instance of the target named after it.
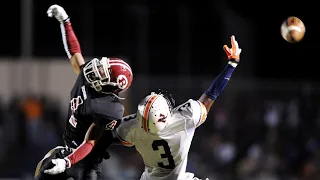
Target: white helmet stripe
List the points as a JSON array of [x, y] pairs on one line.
[[118, 61], [123, 65]]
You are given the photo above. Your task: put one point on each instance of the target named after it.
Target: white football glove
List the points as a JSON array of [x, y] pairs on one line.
[[60, 166], [58, 12]]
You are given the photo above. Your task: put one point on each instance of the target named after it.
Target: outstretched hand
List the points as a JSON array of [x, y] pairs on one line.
[[233, 53], [58, 12]]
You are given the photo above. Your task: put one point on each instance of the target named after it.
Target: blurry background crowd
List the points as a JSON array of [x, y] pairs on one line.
[[264, 126], [265, 131]]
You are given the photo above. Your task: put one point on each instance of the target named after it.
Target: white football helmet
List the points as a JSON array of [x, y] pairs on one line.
[[153, 112]]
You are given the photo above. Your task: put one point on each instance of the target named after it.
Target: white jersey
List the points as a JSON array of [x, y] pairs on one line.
[[165, 155]]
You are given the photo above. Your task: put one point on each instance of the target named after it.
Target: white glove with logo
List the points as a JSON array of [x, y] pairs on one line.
[[60, 166], [58, 12]]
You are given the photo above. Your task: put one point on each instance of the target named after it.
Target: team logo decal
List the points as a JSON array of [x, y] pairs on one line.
[[122, 81], [111, 125]]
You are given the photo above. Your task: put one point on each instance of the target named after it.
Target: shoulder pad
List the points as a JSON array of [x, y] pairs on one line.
[[108, 106], [131, 117]]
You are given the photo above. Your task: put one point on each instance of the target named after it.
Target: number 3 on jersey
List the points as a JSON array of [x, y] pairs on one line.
[[183, 107], [167, 153]]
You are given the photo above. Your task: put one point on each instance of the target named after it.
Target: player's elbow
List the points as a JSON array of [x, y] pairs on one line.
[[75, 65], [77, 61], [206, 101], [94, 133], [126, 143], [90, 142]]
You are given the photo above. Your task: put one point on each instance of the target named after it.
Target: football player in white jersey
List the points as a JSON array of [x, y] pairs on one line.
[[162, 134]]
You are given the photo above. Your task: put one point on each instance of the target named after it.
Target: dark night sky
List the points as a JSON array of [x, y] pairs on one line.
[[113, 34]]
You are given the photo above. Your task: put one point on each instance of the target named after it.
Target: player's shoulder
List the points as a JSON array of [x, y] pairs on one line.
[[192, 110], [187, 106], [130, 118], [108, 105], [128, 122]]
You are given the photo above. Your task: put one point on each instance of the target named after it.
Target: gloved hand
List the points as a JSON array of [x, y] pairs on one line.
[[60, 165], [58, 12], [233, 53]]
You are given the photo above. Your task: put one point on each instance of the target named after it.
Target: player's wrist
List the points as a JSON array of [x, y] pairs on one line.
[[233, 63], [68, 162], [66, 20]]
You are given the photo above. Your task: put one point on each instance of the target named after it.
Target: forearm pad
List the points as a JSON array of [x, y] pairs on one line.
[[69, 39], [221, 81]]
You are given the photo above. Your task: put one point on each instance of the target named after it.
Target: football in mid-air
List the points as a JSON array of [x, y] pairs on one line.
[[293, 29]]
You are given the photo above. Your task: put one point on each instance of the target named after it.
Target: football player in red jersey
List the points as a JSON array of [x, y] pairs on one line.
[[94, 110]]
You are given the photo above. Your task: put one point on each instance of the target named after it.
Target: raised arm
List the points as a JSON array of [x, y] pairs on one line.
[[220, 82], [69, 39]]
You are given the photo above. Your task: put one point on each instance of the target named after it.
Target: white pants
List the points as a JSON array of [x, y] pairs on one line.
[[186, 176]]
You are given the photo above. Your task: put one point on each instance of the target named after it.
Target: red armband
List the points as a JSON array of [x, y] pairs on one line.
[[70, 40], [81, 152]]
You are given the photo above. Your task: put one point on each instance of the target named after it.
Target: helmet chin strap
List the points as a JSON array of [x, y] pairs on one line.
[[113, 95], [112, 84]]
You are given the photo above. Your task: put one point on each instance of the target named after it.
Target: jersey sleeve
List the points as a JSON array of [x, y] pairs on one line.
[[126, 130], [107, 112], [194, 110], [85, 63]]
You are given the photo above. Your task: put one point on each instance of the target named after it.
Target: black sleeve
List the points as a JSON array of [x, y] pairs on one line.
[[115, 139], [85, 63], [107, 110]]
